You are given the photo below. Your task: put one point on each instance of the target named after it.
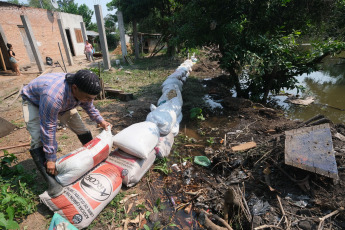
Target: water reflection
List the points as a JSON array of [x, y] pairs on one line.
[[328, 88]]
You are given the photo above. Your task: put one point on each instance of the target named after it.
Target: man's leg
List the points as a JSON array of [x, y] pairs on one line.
[[73, 120], [32, 120]]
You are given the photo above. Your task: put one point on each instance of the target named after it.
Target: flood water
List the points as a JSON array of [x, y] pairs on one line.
[[327, 86]]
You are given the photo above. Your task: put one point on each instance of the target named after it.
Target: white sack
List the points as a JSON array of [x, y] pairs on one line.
[[164, 116], [75, 164], [82, 201], [175, 129], [170, 92], [164, 145], [132, 168], [138, 139], [178, 74], [170, 81]]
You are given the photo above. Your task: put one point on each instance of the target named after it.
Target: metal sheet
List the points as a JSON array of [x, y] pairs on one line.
[[311, 148], [5, 127]]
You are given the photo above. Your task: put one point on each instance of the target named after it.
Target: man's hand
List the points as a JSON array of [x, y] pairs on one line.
[[104, 124], [51, 168]]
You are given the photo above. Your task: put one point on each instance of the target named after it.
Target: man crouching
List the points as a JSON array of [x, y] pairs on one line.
[[53, 97]]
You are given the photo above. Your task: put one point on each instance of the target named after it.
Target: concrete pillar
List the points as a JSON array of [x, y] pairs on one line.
[[5, 54], [65, 43], [33, 43], [83, 31], [102, 37], [2, 33], [122, 34]]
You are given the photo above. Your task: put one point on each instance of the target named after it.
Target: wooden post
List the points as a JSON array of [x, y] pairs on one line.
[[2, 61]]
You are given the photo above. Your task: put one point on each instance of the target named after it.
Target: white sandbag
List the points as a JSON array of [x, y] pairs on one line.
[[74, 165], [82, 201], [164, 116], [138, 139], [164, 145], [175, 129], [182, 68], [174, 81], [170, 92], [178, 74], [132, 168]]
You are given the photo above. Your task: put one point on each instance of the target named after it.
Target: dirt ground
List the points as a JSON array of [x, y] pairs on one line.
[[254, 181]]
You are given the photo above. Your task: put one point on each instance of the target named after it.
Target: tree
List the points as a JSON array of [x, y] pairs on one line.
[[133, 11], [37, 4], [14, 2], [69, 6], [258, 40]]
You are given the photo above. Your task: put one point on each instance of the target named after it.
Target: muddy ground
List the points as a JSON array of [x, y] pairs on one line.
[[234, 187]]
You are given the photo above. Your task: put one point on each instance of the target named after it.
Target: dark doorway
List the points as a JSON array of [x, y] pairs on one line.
[[68, 34], [4, 58]]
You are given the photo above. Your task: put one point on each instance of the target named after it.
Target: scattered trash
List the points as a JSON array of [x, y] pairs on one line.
[[257, 206], [187, 176], [340, 136], [202, 160], [244, 146], [176, 168], [306, 101], [299, 201], [60, 223]]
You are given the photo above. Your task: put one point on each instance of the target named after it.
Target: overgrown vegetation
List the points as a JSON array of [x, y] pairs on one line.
[[17, 199]]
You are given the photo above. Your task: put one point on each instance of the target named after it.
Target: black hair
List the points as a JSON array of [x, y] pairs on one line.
[[9, 45]]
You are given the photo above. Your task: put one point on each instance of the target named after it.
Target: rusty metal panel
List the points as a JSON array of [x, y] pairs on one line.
[[311, 148], [5, 127]]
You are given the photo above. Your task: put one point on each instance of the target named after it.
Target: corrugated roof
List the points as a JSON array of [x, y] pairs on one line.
[[9, 4], [91, 33]]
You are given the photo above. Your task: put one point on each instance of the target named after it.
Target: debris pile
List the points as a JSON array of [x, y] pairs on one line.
[[118, 51]]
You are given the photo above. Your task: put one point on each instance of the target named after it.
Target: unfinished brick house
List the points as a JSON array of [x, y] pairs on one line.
[[44, 27]]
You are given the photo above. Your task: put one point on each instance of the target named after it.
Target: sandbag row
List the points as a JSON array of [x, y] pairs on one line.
[[90, 184], [139, 144]]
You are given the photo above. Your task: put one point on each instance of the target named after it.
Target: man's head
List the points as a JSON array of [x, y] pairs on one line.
[[85, 85]]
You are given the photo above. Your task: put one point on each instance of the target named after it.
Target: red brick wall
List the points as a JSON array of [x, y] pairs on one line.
[[45, 28]]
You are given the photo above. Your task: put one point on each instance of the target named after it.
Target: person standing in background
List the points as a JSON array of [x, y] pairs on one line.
[[89, 51], [13, 60]]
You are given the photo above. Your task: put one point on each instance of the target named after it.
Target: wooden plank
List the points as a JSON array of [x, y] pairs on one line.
[[244, 146], [3, 64], [14, 146]]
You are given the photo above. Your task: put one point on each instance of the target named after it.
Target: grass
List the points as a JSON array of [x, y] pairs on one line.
[[18, 199], [18, 124], [145, 76]]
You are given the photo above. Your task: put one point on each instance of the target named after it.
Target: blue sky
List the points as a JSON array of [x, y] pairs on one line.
[[90, 4]]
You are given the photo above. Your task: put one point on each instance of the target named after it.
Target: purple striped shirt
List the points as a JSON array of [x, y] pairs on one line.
[[53, 96]]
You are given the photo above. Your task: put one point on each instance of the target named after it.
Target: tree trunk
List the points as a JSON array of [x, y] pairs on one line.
[[267, 87], [135, 39], [239, 90]]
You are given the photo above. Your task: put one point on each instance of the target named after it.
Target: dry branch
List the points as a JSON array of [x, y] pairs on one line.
[[14, 146]]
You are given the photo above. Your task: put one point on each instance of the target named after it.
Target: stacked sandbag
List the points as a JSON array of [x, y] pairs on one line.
[[136, 152], [75, 164], [164, 145], [138, 139], [82, 201], [165, 115], [132, 168]]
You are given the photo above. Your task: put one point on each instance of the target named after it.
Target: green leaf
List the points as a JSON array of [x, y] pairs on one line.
[[146, 227], [172, 225], [12, 225], [10, 212], [6, 199], [155, 209], [3, 221], [21, 200]]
